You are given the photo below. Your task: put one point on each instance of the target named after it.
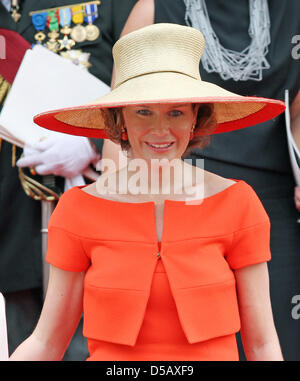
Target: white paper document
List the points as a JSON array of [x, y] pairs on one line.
[[292, 146], [45, 81]]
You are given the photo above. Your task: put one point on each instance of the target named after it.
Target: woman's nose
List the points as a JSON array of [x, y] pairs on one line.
[[160, 126]]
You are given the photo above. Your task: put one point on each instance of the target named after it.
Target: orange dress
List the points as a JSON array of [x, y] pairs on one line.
[[178, 305]]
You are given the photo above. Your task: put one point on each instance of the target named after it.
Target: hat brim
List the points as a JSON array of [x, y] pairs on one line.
[[232, 111]]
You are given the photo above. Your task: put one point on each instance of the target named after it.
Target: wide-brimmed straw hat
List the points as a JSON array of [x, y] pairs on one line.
[[160, 64]]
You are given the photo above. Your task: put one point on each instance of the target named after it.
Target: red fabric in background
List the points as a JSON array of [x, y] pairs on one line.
[[15, 48]]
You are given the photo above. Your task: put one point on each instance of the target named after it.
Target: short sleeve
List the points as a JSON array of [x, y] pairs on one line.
[[251, 239], [65, 247], [65, 251], [249, 246]]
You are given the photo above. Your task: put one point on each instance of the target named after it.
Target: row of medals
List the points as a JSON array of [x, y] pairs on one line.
[[78, 33]]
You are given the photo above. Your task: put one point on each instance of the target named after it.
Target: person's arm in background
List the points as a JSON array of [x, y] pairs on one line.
[[142, 14], [295, 127]]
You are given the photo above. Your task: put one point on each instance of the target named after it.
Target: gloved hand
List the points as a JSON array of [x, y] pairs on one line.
[[61, 155]]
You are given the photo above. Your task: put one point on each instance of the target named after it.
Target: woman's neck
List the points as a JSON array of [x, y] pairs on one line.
[[157, 179]]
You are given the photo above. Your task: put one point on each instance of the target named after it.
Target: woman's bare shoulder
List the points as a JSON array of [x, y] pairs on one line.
[[98, 190], [214, 184], [91, 189]]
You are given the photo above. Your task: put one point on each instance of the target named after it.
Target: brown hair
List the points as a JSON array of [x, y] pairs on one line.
[[206, 122]]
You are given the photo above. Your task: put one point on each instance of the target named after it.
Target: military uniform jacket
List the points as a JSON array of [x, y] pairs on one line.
[[20, 221]]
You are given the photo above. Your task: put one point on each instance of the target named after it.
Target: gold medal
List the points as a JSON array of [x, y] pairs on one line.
[[65, 16], [53, 25], [78, 57], [91, 14], [65, 21], [14, 10], [84, 12], [39, 37], [78, 33], [92, 32], [52, 44], [53, 35], [66, 30], [66, 43], [15, 15], [39, 21]]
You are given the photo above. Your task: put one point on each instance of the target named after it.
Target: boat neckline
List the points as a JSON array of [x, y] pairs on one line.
[[178, 202]]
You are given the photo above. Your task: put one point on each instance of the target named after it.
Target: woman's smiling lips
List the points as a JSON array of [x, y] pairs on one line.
[[160, 147]]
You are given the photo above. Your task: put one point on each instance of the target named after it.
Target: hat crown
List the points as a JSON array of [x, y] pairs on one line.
[[158, 48]]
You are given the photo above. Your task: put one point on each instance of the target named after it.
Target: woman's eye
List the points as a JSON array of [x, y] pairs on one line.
[[176, 113], [143, 112]]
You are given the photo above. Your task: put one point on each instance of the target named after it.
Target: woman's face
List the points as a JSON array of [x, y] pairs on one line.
[[157, 131]]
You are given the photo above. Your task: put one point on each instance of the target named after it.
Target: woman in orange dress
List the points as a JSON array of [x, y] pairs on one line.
[[165, 260]]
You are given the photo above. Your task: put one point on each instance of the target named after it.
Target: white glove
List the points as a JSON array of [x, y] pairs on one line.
[[63, 155]]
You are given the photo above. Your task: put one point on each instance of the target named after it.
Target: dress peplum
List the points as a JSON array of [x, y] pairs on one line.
[[179, 305]]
